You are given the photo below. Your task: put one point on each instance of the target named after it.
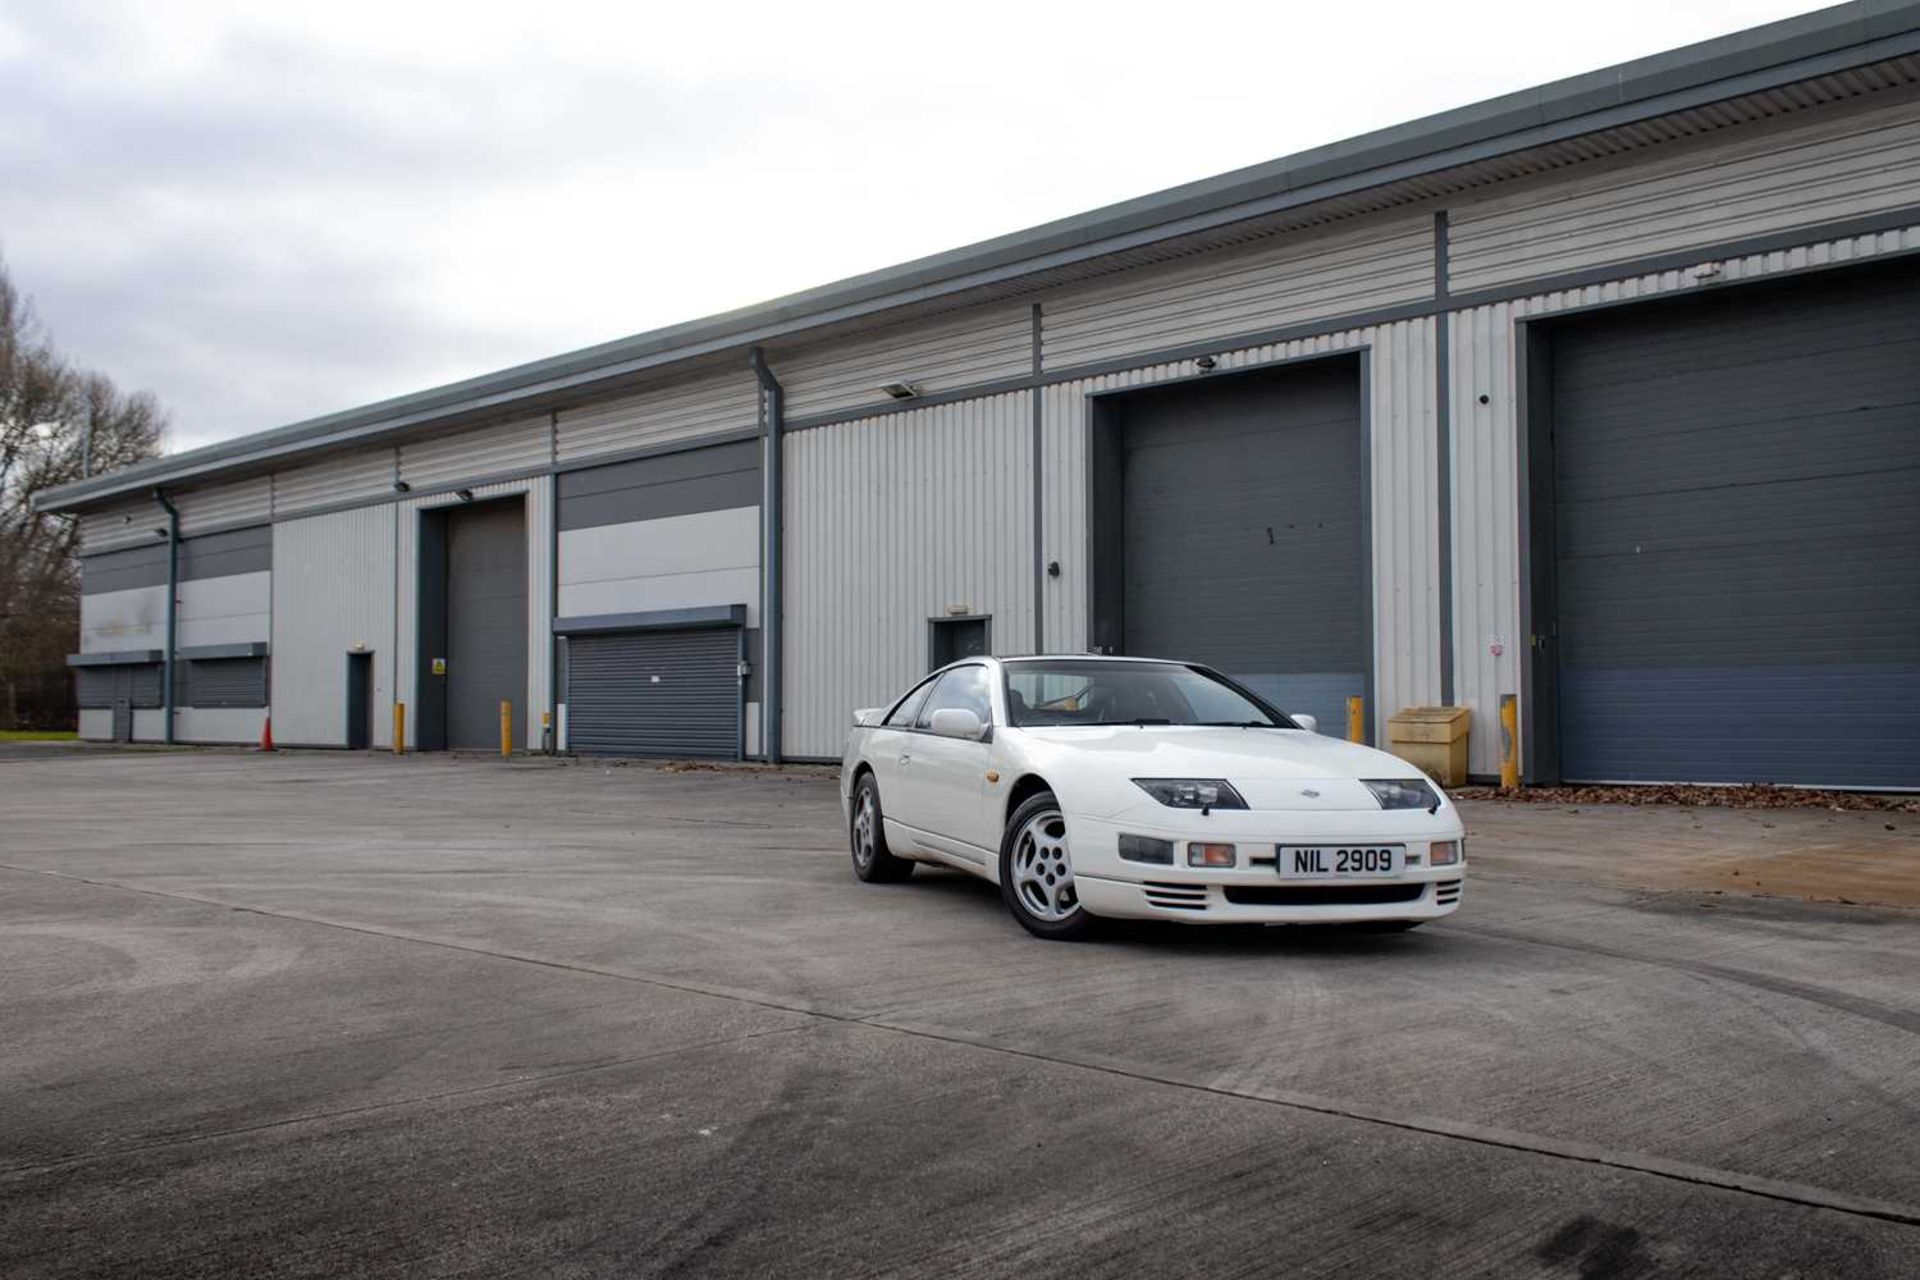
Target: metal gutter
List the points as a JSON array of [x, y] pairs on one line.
[[169, 658], [773, 413], [1747, 61]]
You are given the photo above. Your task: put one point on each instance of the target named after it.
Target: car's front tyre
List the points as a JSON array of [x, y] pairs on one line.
[[1036, 873], [873, 862]]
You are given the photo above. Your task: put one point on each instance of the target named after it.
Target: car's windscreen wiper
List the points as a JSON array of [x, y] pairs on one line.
[[1140, 721]]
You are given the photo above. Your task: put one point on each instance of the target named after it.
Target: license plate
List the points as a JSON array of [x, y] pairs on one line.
[[1340, 861]]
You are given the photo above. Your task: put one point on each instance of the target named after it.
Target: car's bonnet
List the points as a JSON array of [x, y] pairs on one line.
[[1241, 756]]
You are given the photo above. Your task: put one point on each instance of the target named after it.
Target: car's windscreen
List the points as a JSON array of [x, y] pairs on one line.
[[1068, 691]]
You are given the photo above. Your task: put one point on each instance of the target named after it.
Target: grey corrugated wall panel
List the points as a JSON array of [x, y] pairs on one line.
[[333, 590], [112, 621], [1738, 544], [234, 608], [1753, 180], [1486, 475], [244, 502], [657, 693], [502, 448], [538, 491], [713, 404], [891, 521], [1405, 484], [1263, 286], [352, 477], [124, 524], [982, 344]]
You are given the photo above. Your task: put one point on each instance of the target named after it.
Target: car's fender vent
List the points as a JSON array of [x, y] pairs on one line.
[[1446, 892], [1175, 897], [1321, 895]]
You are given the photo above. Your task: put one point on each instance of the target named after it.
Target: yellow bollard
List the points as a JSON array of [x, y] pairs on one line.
[[1509, 742], [399, 728], [1356, 719], [506, 731]]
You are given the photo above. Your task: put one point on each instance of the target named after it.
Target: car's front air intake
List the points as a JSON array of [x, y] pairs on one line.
[[1446, 892], [1322, 895], [1175, 897]]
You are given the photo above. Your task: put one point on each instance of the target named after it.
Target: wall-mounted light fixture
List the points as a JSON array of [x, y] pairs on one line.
[[901, 390], [401, 486], [159, 533], [1205, 364], [465, 495]]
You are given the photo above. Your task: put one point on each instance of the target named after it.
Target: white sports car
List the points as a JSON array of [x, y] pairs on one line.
[[1090, 787]]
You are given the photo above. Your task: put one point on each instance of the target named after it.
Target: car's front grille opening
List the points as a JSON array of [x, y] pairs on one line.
[[1175, 897], [1322, 895], [1446, 892]]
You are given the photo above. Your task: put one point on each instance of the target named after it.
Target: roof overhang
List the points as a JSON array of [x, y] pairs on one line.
[[1453, 150]]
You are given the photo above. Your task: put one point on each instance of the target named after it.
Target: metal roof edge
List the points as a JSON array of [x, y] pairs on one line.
[[1871, 29]]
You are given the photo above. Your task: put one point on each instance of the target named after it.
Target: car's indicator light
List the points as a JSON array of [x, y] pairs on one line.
[[1445, 853], [1210, 855]]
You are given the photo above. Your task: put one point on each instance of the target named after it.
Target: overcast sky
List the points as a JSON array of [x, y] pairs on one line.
[[265, 212]]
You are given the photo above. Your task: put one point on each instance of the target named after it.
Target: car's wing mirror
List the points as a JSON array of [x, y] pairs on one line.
[[1310, 723], [957, 722]]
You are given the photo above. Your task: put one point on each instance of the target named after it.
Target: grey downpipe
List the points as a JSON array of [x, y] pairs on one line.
[[173, 607], [773, 416]]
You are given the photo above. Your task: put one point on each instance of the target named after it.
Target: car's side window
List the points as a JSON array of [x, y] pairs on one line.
[[962, 687], [903, 715]]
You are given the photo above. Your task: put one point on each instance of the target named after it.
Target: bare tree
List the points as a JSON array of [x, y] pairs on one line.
[[57, 423]]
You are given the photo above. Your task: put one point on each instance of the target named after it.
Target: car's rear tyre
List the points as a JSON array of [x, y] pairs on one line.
[[1036, 874], [873, 862]]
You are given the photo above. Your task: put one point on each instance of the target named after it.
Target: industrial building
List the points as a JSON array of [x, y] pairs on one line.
[[1605, 395]]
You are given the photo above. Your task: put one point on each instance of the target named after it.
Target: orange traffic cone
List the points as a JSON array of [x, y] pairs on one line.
[[266, 734]]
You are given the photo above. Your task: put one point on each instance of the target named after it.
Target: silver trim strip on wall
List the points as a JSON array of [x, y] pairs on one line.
[[1443, 443], [213, 652], [118, 658]]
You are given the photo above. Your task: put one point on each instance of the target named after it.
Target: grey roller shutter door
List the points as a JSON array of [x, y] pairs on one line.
[[226, 682], [486, 622], [655, 693], [1244, 537], [1737, 536]]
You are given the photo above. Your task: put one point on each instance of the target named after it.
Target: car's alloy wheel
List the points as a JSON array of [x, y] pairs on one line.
[[867, 836], [1036, 871]]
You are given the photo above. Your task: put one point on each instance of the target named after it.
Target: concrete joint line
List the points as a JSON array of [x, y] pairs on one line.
[[1461, 1131]]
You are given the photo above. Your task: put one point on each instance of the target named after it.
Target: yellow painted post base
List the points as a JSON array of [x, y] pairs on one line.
[[399, 728], [1509, 742]]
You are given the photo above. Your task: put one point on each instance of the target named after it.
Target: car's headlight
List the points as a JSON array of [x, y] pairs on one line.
[[1402, 793], [1192, 793]]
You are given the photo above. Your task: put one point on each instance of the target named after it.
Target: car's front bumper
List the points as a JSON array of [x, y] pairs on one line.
[[1253, 891]]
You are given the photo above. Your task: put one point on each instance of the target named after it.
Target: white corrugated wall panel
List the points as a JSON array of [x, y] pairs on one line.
[[891, 521], [234, 608], [1403, 462], [984, 345], [500, 449], [225, 506], [124, 524], [539, 514], [706, 406], [352, 477], [1755, 180], [1486, 524], [332, 591], [1243, 290], [1486, 460], [116, 621]]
